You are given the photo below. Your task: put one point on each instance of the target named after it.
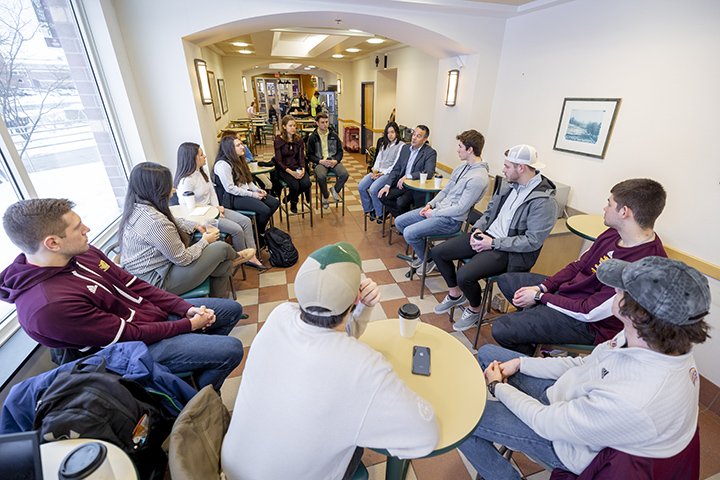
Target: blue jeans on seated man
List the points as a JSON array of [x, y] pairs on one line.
[[414, 227], [369, 189], [498, 424], [212, 354]]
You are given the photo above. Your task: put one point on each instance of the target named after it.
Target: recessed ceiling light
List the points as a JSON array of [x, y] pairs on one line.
[[354, 30], [338, 55], [352, 50], [375, 40], [307, 68], [241, 44], [245, 52], [312, 66]]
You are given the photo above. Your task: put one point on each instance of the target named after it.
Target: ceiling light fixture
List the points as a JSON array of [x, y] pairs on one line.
[[245, 52], [241, 44], [452, 87], [312, 66], [338, 55], [339, 86], [375, 40], [352, 50], [244, 80], [307, 68], [354, 30]]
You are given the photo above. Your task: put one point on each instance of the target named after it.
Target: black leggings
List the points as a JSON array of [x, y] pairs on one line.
[[264, 209], [296, 186], [481, 265]]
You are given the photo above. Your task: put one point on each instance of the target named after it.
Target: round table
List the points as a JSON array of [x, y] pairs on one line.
[[199, 214], [455, 388], [588, 227], [256, 169], [428, 187], [53, 453]]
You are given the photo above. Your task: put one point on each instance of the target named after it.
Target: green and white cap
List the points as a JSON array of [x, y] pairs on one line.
[[329, 278]]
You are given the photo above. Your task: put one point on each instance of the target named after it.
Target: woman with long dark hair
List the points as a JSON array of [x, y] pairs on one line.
[[234, 183], [190, 176], [290, 159], [154, 244], [386, 154]]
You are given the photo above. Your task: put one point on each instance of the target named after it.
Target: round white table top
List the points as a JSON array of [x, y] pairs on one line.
[[456, 385], [588, 227], [200, 214], [53, 453], [428, 186]]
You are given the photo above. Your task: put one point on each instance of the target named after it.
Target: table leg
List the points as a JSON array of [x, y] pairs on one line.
[[396, 468]]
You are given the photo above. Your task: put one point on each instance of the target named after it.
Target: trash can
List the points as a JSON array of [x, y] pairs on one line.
[[351, 139]]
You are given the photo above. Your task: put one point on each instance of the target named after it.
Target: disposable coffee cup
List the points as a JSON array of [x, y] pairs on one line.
[[87, 462], [423, 177], [438, 181], [409, 315], [189, 200]]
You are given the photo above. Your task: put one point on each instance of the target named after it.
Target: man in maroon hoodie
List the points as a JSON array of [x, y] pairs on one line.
[[573, 306], [68, 294]]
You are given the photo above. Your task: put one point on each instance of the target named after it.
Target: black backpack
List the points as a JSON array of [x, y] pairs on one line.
[[90, 402], [282, 251]]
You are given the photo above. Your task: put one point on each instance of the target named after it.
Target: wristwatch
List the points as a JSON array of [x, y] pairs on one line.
[[538, 296], [491, 387]]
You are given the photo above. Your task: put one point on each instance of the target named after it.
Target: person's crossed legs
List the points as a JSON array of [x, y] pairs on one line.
[[212, 354], [499, 425]]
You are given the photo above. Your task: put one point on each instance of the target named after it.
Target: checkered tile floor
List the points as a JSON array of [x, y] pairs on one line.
[[260, 293]]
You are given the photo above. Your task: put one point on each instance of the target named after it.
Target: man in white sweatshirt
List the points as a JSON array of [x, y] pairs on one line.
[[312, 393], [637, 393]]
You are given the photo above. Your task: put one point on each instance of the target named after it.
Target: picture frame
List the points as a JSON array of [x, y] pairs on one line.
[[586, 125], [213, 94], [223, 95]]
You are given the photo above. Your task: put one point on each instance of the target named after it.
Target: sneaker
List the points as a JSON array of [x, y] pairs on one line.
[[325, 203], [415, 263], [335, 195], [293, 207], [448, 303], [468, 320], [429, 267]]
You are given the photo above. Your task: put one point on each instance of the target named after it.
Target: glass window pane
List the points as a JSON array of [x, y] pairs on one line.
[[8, 251], [54, 112]]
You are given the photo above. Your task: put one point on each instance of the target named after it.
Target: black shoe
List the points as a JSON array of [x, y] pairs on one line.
[[372, 216], [293, 208], [257, 266]]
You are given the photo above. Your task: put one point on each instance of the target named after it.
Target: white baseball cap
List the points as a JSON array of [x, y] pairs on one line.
[[524, 155]]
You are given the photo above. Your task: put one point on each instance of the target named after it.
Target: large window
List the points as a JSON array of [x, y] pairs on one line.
[[61, 144]]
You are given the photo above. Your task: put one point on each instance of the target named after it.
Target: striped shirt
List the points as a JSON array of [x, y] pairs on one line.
[[151, 243]]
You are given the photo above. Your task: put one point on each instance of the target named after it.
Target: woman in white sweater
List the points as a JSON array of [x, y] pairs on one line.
[[156, 246], [235, 187], [190, 176], [387, 153]]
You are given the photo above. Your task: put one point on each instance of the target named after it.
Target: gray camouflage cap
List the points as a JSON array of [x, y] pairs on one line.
[[668, 289]]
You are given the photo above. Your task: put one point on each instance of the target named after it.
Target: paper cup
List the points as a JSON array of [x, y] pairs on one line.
[[89, 462], [438, 182], [189, 202], [423, 177], [408, 327]]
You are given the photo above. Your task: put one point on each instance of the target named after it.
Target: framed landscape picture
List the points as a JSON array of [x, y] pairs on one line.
[[586, 125], [213, 94], [222, 95]]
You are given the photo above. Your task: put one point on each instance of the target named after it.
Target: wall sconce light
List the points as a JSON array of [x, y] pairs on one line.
[[339, 85], [244, 84], [452, 86], [203, 82]]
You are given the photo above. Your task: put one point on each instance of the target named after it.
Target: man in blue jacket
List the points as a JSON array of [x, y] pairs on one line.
[[414, 159]]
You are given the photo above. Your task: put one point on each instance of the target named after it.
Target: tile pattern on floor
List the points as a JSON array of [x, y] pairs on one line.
[[262, 292]]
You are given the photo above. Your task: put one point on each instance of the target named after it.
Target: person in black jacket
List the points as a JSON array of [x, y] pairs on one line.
[[324, 150]]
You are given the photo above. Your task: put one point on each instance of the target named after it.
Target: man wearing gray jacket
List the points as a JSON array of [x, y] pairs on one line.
[[507, 238], [445, 213]]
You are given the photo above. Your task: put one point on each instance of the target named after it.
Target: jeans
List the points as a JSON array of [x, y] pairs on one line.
[[239, 227], [369, 189], [522, 330], [498, 424], [415, 228], [341, 174], [212, 354]]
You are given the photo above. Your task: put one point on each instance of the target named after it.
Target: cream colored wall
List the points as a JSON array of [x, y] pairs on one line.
[[666, 68]]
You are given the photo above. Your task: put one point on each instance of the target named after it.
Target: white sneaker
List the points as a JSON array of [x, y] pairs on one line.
[[468, 320], [429, 267], [335, 195], [415, 263], [448, 303], [325, 203]]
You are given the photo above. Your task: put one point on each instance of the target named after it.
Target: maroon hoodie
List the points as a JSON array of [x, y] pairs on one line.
[[90, 302]]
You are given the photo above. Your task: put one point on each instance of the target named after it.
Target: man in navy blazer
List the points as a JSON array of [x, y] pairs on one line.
[[415, 158]]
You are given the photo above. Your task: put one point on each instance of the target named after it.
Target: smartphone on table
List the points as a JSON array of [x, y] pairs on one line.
[[421, 360]]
